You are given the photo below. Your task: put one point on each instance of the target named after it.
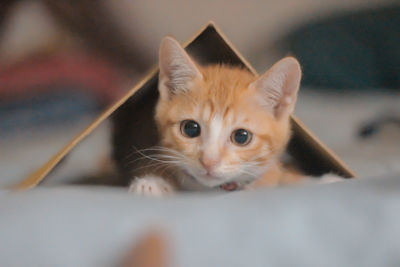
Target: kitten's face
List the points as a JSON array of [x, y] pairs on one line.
[[222, 123]]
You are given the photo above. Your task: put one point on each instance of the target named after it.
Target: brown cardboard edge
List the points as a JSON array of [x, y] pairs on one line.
[[37, 176], [226, 40], [317, 144]]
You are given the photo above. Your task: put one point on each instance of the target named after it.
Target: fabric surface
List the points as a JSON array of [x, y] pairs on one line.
[[351, 223]]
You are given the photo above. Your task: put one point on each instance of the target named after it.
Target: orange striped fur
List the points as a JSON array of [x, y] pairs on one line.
[[222, 99]]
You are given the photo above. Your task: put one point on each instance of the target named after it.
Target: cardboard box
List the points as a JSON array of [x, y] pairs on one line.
[[207, 47]]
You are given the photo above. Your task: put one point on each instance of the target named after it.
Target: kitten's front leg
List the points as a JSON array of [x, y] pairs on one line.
[[151, 185]]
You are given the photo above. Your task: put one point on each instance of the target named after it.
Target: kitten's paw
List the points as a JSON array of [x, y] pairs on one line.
[[150, 185]]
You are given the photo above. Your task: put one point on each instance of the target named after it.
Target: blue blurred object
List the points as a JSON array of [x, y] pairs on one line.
[[51, 109], [49, 90], [354, 51]]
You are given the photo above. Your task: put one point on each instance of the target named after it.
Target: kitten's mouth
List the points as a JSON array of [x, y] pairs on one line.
[[213, 181], [208, 179], [230, 186]]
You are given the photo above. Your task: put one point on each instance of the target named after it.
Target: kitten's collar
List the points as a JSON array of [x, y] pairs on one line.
[[232, 186], [196, 185]]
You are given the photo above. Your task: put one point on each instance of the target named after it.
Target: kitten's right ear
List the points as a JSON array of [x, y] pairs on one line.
[[177, 70], [279, 86]]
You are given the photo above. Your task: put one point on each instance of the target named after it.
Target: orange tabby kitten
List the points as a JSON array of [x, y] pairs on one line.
[[220, 127]]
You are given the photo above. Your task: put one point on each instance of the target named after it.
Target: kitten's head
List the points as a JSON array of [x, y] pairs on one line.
[[222, 123]]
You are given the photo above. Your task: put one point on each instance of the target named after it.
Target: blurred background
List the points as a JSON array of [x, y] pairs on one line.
[[63, 62]]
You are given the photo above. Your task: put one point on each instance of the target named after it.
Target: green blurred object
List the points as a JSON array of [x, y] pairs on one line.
[[353, 51]]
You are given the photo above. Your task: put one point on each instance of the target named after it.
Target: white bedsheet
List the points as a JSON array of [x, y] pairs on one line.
[[352, 223]]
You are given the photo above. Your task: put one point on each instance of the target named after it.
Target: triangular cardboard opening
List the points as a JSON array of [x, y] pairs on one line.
[[134, 112]]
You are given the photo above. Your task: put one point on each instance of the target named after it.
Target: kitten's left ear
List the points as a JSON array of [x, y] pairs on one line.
[[177, 69], [279, 86]]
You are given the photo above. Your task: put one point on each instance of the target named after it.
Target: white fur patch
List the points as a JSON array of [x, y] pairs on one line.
[[212, 140], [330, 178], [216, 128], [151, 185]]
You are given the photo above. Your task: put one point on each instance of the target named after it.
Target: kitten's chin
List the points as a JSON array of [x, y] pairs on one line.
[[213, 181], [210, 181], [206, 180]]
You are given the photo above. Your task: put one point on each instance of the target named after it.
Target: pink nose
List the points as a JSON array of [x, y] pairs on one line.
[[208, 163]]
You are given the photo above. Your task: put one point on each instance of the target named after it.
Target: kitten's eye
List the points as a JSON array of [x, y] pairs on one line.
[[241, 137], [190, 128]]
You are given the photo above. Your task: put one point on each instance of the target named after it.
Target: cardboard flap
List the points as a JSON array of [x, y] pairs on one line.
[[209, 46]]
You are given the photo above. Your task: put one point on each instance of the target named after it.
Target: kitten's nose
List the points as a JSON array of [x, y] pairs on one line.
[[208, 163]]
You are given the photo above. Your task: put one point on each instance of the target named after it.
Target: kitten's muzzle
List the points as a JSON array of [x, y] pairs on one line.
[[208, 164]]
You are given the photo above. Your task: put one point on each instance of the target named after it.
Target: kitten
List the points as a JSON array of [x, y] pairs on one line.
[[220, 126]]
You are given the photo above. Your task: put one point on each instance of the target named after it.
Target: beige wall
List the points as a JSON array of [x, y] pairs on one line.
[[251, 25], [248, 24], [29, 28]]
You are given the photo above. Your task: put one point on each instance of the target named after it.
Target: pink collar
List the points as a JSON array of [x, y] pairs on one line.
[[229, 186]]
